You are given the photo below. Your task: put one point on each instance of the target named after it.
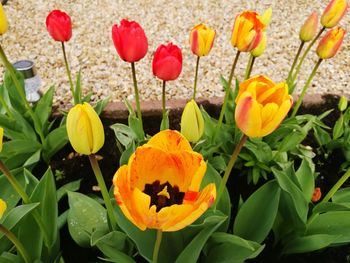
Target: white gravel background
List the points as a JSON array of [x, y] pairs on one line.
[[91, 48]]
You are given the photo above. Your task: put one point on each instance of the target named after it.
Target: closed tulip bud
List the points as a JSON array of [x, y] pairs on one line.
[[201, 40], [130, 40], [259, 50], [3, 21], [192, 122], [309, 28], [330, 43], [1, 137], [266, 17], [333, 13], [247, 31], [261, 105], [316, 196], [3, 207], [167, 62], [343, 103], [59, 25], [85, 129]]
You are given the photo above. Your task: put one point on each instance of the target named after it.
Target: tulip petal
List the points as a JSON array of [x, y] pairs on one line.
[[268, 112], [248, 115], [278, 117], [277, 94], [170, 141], [204, 201]]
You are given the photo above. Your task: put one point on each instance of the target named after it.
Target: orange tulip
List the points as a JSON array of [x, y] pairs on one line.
[[316, 196], [330, 43], [333, 13], [247, 31], [201, 39], [261, 105], [309, 28], [160, 186]]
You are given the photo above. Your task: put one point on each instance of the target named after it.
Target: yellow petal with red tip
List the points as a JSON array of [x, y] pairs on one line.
[[170, 141]]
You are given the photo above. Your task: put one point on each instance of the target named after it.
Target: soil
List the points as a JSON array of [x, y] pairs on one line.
[[76, 167]]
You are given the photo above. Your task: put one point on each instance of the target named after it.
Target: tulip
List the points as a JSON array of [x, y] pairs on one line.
[[343, 103], [1, 137], [201, 40], [130, 40], [259, 50], [330, 43], [309, 28], [333, 13], [3, 21], [159, 188], [316, 196], [192, 122], [261, 105], [167, 62], [247, 31], [85, 129], [59, 25], [3, 207]]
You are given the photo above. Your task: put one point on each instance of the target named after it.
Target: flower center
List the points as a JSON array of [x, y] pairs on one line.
[[163, 195]]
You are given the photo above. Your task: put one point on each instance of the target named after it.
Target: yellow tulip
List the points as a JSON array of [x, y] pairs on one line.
[[333, 13], [247, 31], [3, 21], [1, 137], [330, 43], [259, 50], [3, 207], [261, 105], [85, 129], [309, 28], [192, 122], [160, 186], [201, 39]]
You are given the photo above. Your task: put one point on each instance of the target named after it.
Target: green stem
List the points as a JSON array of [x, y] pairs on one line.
[[16, 242], [249, 69], [229, 167], [68, 72], [18, 188], [305, 54], [21, 93], [137, 98], [104, 191], [163, 100], [300, 99], [227, 92], [195, 79], [295, 62], [157, 246]]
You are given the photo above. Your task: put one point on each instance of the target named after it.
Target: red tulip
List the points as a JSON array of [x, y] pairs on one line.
[[130, 40], [167, 62], [59, 25]]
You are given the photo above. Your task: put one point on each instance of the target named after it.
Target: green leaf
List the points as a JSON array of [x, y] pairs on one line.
[[17, 101], [54, 142], [260, 149], [342, 195], [338, 128], [7, 257], [223, 247], [84, 217], [329, 206], [309, 243], [45, 193], [101, 104], [71, 186], [44, 107], [124, 158], [332, 223], [125, 135], [253, 221], [209, 123], [135, 125], [20, 146], [322, 136], [305, 176]]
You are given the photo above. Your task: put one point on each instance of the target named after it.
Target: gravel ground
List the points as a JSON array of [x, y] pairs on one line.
[[91, 48]]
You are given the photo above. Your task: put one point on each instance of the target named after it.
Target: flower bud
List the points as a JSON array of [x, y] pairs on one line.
[[343, 103], [59, 25], [247, 31], [259, 50], [167, 62], [333, 13], [266, 17], [192, 122], [316, 196], [201, 39], [3, 207], [330, 43], [130, 40], [309, 28], [85, 129], [3, 21]]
